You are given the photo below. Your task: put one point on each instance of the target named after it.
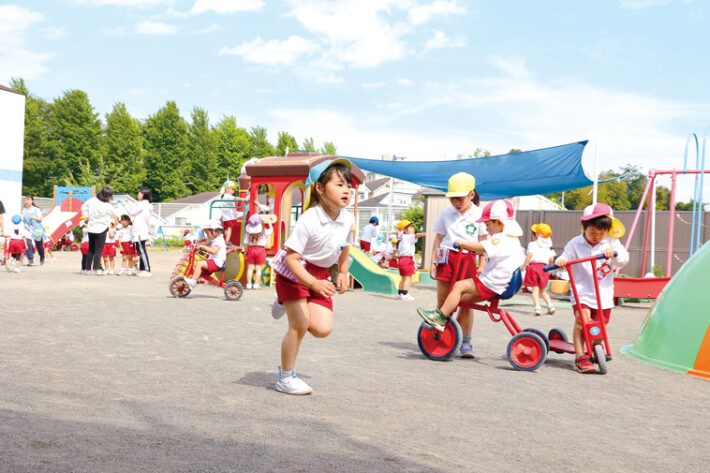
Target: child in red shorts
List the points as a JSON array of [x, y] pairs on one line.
[[124, 236], [229, 210], [217, 250], [109, 251], [600, 235], [16, 243], [503, 253], [540, 254], [405, 251], [320, 240], [257, 232], [84, 246]]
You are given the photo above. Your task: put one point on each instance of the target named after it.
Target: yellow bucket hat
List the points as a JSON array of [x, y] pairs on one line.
[[460, 184], [542, 229], [403, 224]]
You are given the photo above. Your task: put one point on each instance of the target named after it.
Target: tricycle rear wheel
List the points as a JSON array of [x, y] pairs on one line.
[[557, 334], [233, 290], [600, 358], [526, 351]]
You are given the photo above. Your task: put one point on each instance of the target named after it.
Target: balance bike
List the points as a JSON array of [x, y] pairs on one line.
[[527, 349], [233, 289], [596, 341]]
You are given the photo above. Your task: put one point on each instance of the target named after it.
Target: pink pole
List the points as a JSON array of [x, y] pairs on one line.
[[648, 225], [638, 213], [671, 225]]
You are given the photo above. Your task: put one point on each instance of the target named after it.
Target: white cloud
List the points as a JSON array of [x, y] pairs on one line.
[[124, 3], [54, 32], [440, 40], [641, 4], [421, 14], [156, 28], [15, 59], [404, 81], [210, 29], [226, 6], [273, 52]]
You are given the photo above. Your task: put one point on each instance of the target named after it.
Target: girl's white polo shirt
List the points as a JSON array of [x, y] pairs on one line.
[[540, 254], [578, 248], [221, 255], [406, 245], [455, 226], [320, 239], [503, 256]]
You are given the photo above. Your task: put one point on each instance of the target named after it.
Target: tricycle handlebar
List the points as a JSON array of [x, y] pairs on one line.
[[552, 267]]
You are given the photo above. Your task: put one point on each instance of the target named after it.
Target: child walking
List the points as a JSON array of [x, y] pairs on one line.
[[109, 251], [457, 223], [368, 234], [540, 254], [124, 236], [503, 256], [405, 250], [17, 243], [84, 245], [601, 232], [320, 240], [257, 232]]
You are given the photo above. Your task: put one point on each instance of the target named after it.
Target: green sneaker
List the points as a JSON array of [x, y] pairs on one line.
[[434, 318]]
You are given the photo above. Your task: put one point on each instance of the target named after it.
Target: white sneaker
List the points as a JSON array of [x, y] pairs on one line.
[[538, 310], [16, 270], [277, 310], [551, 309], [100, 272], [83, 272], [110, 272], [407, 297], [249, 285], [292, 384], [256, 286], [190, 282], [53, 260], [121, 271], [145, 274], [398, 297]]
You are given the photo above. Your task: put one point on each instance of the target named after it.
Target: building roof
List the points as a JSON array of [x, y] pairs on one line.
[[195, 199], [374, 202], [376, 184], [8, 89]]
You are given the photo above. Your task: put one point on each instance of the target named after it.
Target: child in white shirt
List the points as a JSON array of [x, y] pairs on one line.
[[405, 251], [217, 251], [539, 255]]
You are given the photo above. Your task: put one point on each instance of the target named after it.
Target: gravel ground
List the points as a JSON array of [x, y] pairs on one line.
[[111, 374]]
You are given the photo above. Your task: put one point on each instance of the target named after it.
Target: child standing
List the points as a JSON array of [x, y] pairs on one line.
[[405, 250], [368, 234], [458, 222], [16, 245], [109, 251], [229, 210], [257, 232], [601, 232], [540, 254], [84, 245], [124, 234], [503, 256], [217, 251], [320, 240], [48, 248]]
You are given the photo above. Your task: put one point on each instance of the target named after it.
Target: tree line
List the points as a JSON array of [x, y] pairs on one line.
[[67, 144]]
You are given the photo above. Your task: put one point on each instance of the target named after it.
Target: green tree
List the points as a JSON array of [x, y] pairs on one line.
[[329, 149], [123, 163], [166, 147], [260, 146], [285, 141], [75, 141], [37, 166], [234, 147], [202, 153], [309, 146], [481, 153]]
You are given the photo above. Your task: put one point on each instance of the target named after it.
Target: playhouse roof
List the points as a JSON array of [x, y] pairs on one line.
[[295, 164]]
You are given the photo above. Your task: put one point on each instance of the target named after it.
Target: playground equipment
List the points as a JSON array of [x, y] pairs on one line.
[[371, 277], [594, 331], [676, 331], [66, 212], [649, 288], [526, 350], [227, 278]]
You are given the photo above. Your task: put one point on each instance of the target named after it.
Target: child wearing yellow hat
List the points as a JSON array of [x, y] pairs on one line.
[[405, 249], [539, 254]]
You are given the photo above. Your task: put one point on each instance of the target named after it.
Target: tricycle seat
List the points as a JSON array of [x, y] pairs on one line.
[[516, 282]]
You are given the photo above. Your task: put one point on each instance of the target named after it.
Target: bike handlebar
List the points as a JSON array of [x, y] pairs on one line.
[[552, 267], [457, 246]]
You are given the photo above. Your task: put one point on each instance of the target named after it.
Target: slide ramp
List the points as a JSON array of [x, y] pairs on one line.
[[371, 277], [62, 218]]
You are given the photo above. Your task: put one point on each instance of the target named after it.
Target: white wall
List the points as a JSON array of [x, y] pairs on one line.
[[12, 131]]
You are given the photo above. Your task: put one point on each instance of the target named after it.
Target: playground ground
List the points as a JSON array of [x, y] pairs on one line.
[[112, 374]]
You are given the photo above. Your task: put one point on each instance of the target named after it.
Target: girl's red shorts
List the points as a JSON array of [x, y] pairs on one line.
[[211, 268], [16, 247], [407, 266], [84, 247], [128, 249], [535, 276], [229, 223], [256, 255], [484, 293], [287, 290], [364, 245], [445, 272], [606, 313], [109, 250]]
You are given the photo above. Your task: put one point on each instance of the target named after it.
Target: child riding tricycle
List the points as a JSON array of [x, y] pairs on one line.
[[203, 261]]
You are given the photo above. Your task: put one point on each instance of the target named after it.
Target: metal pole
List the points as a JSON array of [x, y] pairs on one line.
[[671, 225], [389, 207], [596, 171], [653, 225]]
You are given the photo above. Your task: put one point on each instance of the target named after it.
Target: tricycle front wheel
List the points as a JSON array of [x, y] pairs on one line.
[[600, 358], [178, 287], [440, 346]]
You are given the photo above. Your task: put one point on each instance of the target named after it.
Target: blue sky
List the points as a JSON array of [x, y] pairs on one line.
[[426, 79]]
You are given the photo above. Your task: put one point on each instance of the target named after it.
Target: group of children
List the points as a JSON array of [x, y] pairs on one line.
[[117, 238], [17, 242]]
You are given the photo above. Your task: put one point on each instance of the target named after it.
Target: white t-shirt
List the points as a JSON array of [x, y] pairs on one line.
[[229, 210], [406, 244], [99, 214], [85, 235], [455, 226], [504, 255], [368, 233], [17, 231], [141, 219], [578, 248], [221, 255], [124, 234], [263, 238], [109, 238], [319, 239], [540, 254]]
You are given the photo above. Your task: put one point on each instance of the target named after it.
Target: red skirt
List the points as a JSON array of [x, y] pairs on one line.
[[256, 255], [535, 276], [128, 249], [17, 247], [287, 290], [229, 223], [109, 250], [364, 245], [407, 266]]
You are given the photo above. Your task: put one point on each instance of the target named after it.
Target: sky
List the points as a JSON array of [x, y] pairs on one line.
[[425, 79]]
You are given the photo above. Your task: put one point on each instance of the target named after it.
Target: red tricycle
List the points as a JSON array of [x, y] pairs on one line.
[[526, 350], [186, 267], [596, 341]]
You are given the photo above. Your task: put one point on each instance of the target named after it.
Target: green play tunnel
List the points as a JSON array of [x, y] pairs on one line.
[[676, 333]]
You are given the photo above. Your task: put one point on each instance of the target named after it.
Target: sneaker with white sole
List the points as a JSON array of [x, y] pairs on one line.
[[277, 310], [190, 282], [434, 318], [110, 272], [292, 384], [407, 297], [16, 270], [538, 310], [466, 350], [249, 285], [256, 286], [100, 272], [145, 274], [121, 271], [551, 309]]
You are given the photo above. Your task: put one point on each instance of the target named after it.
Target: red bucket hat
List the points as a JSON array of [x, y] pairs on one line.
[[602, 210]]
